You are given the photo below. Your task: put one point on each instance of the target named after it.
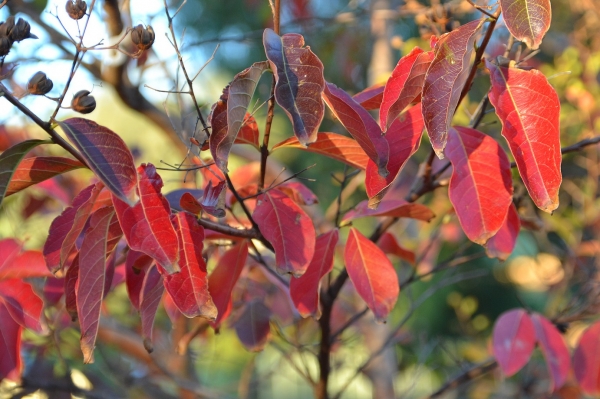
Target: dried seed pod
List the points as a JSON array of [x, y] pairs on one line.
[[83, 103], [21, 31], [76, 8], [39, 84], [7, 27], [5, 45], [142, 37]]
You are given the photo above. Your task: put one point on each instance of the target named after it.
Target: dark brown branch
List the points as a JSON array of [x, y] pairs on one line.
[[225, 229]]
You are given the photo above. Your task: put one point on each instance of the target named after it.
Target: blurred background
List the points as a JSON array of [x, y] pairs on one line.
[[441, 327]]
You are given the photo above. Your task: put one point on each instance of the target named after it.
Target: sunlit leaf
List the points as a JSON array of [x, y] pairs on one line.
[[332, 145], [147, 225], [299, 193], [288, 228], [503, 242], [22, 303], [527, 20], [513, 340], [481, 183], [304, 290], [389, 245], [445, 80], [371, 97], [299, 82], [248, 133], [404, 138], [136, 266], [529, 109], [106, 154], [360, 124], [393, 207], [224, 277], [37, 169], [189, 287], [17, 264], [372, 274]]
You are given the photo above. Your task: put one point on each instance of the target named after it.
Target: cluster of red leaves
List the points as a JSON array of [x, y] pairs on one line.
[[124, 221]]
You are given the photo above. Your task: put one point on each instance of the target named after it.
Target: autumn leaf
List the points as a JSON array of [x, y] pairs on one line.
[[360, 124], [147, 225], [372, 274], [304, 290], [288, 228], [22, 303], [513, 340], [393, 207], [527, 20], [298, 192], [586, 361], [332, 145], [35, 170], [481, 183], [136, 266], [213, 200], [252, 327], [106, 154], [299, 82], [248, 133], [389, 245], [16, 263], [529, 109], [554, 349], [10, 346], [150, 295], [445, 80], [503, 242], [371, 97]]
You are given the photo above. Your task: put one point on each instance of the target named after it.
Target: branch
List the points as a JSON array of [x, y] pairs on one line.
[[471, 374], [226, 229]]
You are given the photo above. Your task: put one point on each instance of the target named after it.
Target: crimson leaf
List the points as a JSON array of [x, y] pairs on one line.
[[513, 340], [150, 295], [34, 170], [527, 20]]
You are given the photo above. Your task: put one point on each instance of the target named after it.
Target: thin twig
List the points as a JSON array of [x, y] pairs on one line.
[[472, 373]]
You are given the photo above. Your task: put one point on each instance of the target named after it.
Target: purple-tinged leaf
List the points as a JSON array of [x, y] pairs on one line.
[[10, 159], [513, 340], [360, 124], [481, 183], [38, 169], [503, 242], [174, 197], [445, 80], [252, 327], [299, 82], [586, 360], [71, 278], [213, 200], [288, 228], [188, 203], [22, 303], [20, 265], [527, 20], [189, 287], [147, 225], [106, 154], [554, 349], [529, 109], [371, 97], [136, 265], [90, 284], [150, 295], [404, 138], [305, 289]]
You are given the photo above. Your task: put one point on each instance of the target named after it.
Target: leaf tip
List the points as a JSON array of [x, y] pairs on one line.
[[148, 345]]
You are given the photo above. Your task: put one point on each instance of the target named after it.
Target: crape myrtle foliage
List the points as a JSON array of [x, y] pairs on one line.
[[123, 221]]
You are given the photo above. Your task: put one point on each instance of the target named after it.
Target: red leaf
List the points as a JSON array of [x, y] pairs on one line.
[[54, 289], [503, 242], [136, 265], [513, 340], [404, 138], [554, 349], [388, 244], [90, 284], [248, 133], [171, 309], [9, 250], [527, 20], [240, 92], [150, 295], [175, 199], [529, 109], [299, 82], [71, 278], [298, 192], [223, 278], [291, 232], [445, 80], [586, 360], [106, 153], [371, 97], [20, 265], [10, 346], [304, 290], [188, 203], [189, 287], [372, 274], [481, 185], [67, 227], [10, 159], [147, 225], [37, 169], [332, 145], [213, 200], [22, 303], [253, 327], [360, 124], [393, 207], [407, 86]]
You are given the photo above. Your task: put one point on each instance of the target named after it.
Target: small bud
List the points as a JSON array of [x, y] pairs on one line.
[[7, 26], [83, 103], [142, 37], [21, 31], [39, 84], [76, 8], [5, 45]]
